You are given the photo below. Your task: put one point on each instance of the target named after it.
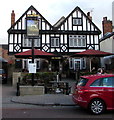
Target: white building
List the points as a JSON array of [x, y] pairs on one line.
[[113, 14]]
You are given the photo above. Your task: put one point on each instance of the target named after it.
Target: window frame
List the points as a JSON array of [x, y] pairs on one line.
[[28, 42], [77, 21], [56, 41], [77, 38]]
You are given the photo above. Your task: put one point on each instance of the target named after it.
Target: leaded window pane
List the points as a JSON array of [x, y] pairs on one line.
[[57, 42], [52, 42], [71, 42], [79, 42], [75, 42]]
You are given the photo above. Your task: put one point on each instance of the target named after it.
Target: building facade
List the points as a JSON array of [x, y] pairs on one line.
[[71, 34]]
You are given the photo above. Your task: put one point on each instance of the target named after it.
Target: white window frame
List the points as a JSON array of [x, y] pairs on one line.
[[71, 63], [28, 42], [37, 66], [55, 41], [24, 61], [80, 39], [30, 61], [83, 63], [75, 62], [77, 21]]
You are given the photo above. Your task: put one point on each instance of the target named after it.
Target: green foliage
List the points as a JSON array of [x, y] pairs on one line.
[[44, 77]]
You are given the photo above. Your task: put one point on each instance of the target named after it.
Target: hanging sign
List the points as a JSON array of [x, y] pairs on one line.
[[32, 25], [32, 28]]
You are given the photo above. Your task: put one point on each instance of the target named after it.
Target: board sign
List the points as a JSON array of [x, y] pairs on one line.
[[32, 67]]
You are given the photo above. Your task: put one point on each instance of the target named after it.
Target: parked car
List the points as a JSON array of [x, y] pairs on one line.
[[95, 92], [3, 76]]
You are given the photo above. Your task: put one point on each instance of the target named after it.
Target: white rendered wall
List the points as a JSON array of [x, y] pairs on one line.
[[113, 15]]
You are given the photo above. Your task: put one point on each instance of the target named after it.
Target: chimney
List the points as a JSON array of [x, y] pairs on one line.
[[90, 17], [107, 25], [12, 17]]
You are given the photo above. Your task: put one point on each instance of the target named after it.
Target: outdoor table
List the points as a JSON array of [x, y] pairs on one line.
[[62, 85]]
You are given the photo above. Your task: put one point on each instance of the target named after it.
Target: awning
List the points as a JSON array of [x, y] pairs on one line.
[[92, 53], [37, 54]]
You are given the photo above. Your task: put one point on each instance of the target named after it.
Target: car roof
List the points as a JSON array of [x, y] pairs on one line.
[[96, 76]]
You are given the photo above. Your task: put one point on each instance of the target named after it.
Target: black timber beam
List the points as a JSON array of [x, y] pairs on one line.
[[70, 32], [17, 31], [57, 32]]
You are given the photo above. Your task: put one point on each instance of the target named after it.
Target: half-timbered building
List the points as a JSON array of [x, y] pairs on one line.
[[69, 35]]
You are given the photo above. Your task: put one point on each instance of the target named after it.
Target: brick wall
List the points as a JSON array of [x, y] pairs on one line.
[[107, 25]]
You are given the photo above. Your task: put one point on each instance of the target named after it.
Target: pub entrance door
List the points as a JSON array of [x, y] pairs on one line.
[[55, 65]]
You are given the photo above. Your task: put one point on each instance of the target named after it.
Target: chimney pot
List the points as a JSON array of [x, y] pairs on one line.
[[90, 17], [88, 14], [104, 18]]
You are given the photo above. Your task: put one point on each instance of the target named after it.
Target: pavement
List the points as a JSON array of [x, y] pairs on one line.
[[42, 100], [45, 100]]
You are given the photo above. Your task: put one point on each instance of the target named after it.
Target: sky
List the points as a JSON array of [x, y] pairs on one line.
[[52, 10]]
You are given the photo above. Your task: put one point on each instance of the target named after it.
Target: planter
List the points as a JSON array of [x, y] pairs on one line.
[[31, 90]]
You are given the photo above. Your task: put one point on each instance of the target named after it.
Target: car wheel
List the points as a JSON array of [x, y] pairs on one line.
[[97, 106]]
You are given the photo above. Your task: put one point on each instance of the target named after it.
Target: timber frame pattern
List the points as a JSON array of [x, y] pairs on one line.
[[61, 37]]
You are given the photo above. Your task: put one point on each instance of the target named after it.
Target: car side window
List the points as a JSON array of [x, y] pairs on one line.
[[108, 82], [96, 83]]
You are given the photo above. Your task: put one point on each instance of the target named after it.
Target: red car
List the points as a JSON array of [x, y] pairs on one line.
[[95, 92]]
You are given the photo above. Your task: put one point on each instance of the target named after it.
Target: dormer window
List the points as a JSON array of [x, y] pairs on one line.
[[77, 21]]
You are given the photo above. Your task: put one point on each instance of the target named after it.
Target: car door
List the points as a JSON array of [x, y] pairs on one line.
[[95, 89], [108, 91]]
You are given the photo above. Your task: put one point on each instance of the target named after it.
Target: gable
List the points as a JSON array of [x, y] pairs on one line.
[[78, 21], [20, 24]]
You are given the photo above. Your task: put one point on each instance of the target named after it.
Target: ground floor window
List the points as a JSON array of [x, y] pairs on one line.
[[26, 62], [76, 64]]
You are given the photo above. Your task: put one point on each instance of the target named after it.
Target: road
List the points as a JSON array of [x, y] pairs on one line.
[[14, 110], [51, 112]]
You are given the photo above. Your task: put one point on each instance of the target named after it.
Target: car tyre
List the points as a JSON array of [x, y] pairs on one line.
[[97, 106]]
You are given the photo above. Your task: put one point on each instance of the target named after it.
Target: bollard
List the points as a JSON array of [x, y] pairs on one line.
[[18, 90], [67, 89]]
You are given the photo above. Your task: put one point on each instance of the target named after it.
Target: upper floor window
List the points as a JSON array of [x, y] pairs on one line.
[[28, 42], [55, 41], [77, 21], [77, 41]]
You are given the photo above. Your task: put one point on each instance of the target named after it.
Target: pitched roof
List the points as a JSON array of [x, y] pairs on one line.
[[30, 8], [89, 20], [107, 35]]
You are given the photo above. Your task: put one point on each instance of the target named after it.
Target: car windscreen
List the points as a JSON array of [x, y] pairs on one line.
[[82, 82]]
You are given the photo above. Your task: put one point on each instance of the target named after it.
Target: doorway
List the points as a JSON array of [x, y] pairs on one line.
[[55, 65]]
